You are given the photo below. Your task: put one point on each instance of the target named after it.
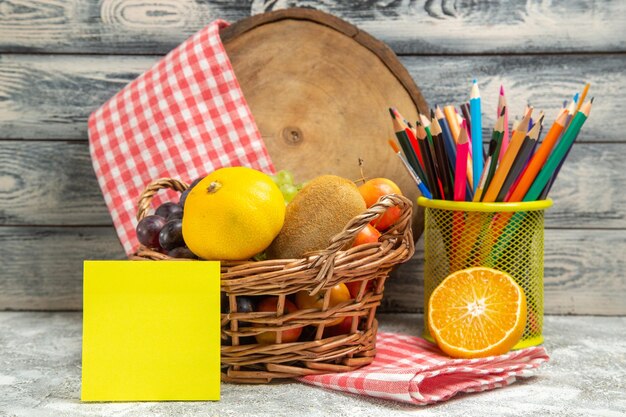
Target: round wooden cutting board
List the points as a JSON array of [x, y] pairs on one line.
[[319, 90]]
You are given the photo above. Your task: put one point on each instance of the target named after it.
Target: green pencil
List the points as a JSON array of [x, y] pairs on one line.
[[558, 153]]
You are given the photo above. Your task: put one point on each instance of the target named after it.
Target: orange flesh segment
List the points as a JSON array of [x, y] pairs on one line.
[[477, 312]]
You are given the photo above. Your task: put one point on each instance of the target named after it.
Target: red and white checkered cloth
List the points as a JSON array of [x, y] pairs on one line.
[[183, 118], [412, 370]]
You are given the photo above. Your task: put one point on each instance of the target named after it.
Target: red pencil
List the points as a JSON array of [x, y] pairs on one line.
[[460, 171]]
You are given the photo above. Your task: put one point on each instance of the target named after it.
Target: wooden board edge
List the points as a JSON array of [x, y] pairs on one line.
[[377, 47]]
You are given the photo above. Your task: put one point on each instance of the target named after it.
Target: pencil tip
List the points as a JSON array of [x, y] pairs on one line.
[[393, 116], [592, 99], [432, 114], [576, 97], [501, 90], [474, 81]]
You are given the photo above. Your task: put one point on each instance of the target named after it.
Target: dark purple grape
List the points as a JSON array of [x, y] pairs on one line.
[[244, 304], [184, 194], [182, 252], [165, 210], [148, 231], [171, 235], [175, 215]]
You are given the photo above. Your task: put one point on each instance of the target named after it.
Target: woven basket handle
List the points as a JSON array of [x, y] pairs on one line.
[[145, 199], [327, 256]]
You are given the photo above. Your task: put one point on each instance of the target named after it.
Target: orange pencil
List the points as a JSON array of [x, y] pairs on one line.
[[507, 160], [455, 129], [540, 157], [582, 98]]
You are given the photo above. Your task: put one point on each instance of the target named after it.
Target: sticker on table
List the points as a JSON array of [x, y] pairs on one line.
[[151, 331]]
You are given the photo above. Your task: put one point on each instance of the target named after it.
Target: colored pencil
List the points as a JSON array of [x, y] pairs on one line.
[[507, 161], [583, 96], [559, 153], [407, 148], [425, 121], [505, 138], [476, 129], [539, 158], [483, 178], [571, 110], [453, 123], [447, 137], [548, 187], [422, 187], [520, 160], [429, 165], [410, 133], [494, 152], [441, 160], [461, 167]]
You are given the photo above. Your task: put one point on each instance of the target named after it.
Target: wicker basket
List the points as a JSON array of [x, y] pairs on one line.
[[243, 360]]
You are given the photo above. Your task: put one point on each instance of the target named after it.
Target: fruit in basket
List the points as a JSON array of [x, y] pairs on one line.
[[270, 304], [477, 312], [338, 294], [341, 328], [374, 189], [182, 252], [171, 235], [169, 210], [233, 214], [369, 234], [184, 194], [355, 286], [148, 230], [285, 181], [317, 213]]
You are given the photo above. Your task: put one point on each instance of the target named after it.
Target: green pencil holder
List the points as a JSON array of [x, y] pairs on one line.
[[505, 236]]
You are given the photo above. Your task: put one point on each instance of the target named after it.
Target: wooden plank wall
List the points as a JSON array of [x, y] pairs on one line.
[[61, 59]]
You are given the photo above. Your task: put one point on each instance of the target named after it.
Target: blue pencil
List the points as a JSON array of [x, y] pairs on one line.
[[477, 134]]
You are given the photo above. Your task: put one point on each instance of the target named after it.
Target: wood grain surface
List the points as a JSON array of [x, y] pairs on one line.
[[51, 97], [582, 270], [61, 59], [42, 267], [29, 195], [409, 27]]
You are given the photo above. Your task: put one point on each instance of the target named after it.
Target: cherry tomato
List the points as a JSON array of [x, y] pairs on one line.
[[288, 336], [371, 191], [338, 294], [369, 234], [354, 286], [339, 329]]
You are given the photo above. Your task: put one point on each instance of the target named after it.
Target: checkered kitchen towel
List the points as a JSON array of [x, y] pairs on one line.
[[412, 370], [183, 118]]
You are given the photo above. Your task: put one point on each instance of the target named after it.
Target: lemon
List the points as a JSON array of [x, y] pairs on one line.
[[233, 214]]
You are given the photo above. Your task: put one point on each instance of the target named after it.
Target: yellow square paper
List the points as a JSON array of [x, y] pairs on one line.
[[151, 331]]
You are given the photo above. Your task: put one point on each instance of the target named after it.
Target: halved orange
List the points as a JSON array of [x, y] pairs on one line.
[[477, 312]]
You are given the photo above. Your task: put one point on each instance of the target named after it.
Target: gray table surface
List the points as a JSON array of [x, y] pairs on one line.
[[586, 376]]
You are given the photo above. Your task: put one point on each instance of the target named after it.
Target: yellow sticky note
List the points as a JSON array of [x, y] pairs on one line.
[[151, 331]]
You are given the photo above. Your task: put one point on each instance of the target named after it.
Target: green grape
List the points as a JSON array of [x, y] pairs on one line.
[[284, 177], [289, 191]]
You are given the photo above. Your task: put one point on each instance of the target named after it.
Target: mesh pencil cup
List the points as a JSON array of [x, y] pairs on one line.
[[503, 236]]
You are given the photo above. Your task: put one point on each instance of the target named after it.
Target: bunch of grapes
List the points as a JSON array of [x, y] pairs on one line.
[[284, 180], [163, 230]]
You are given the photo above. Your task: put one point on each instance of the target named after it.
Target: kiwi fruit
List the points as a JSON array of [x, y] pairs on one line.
[[317, 213]]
